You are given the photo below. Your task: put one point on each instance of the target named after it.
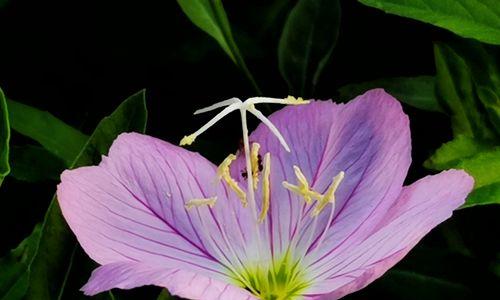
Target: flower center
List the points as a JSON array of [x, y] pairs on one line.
[[268, 278], [279, 280]]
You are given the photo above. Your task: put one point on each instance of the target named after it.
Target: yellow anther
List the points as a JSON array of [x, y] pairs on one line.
[[254, 160], [197, 202], [187, 140], [265, 187], [223, 172], [295, 101], [329, 196], [302, 188]]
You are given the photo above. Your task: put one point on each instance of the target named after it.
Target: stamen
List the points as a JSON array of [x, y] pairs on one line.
[[197, 202], [265, 187], [254, 159], [302, 188], [329, 196], [223, 172], [290, 100]]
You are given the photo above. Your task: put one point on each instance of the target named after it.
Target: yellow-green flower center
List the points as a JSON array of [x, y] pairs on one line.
[[279, 280]]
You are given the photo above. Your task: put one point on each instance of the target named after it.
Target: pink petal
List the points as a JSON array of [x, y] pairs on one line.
[[179, 282], [130, 208], [368, 138], [420, 207]]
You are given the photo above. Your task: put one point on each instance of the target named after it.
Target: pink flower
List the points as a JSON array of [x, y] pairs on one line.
[[323, 220]]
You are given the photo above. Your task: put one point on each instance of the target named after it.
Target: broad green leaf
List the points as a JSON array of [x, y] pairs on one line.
[[4, 138], [14, 278], [478, 19], [55, 247], [307, 42], [489, 194], [451, 153], [34, 163], [210, 16], [483, 63], [456, 91], [415, 91], [54, 256], [484, 167], [54, 135]]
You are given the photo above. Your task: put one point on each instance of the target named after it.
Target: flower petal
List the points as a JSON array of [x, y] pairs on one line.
[[128, 275], [131, 208], [420, 207], [368, 139]]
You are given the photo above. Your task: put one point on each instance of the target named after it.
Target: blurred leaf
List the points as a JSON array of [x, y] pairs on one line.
[[489, 194], [402, 284], [307, 42], [4, 138], [54, 135], [165, 295], [433, 273], [478, 19], [54, 256], [450, 154], [468, 87], [14, 268], [415, 91], [34, 163], [209, 16], [484, 167], [483, 63], [55, 248], [455, 89]]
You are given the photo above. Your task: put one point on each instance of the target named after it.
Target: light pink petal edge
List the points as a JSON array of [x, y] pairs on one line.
[[179, 282], [420, 207]]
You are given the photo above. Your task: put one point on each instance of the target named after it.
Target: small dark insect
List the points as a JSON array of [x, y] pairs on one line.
[[244, 172]]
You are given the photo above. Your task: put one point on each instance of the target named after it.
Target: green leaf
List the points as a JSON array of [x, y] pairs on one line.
[[415, 91], [54, 256], [478, 19], [307, 42], [165, 295], [14, 278], [4, 138], [456, 91], [34, 163], [54, 135], [397, 284], [483, 165], [210, 16], [483, 63], [451, 153], [486, 195], [48, 269]]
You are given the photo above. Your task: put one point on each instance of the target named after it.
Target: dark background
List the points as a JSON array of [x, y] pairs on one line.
[[80, 59]]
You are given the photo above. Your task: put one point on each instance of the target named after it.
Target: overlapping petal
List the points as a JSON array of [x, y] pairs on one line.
[[179, 282], [368, 139], [130, 208], [420, 207]]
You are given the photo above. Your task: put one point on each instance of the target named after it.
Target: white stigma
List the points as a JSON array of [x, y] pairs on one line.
[[248, 105]]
